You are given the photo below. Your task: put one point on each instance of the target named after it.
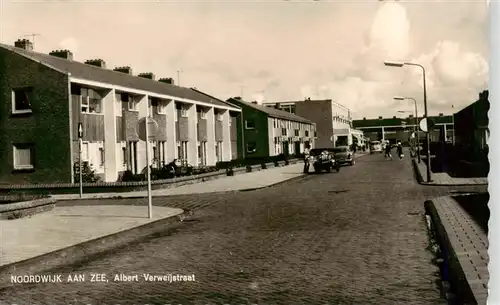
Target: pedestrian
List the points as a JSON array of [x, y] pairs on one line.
[[388, 151], [307, 154], [400, 150]]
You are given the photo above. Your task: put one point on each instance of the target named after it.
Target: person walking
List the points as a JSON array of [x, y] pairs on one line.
[[388, 151], [307, 154], [400, 150]]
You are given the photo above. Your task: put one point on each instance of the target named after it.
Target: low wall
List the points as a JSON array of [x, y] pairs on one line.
[[118, 187], [19, 209]]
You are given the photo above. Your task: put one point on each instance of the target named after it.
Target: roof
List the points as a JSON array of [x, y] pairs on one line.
[[221, 101], [308, 101], [272, 112], [397, 121], [93, 73]]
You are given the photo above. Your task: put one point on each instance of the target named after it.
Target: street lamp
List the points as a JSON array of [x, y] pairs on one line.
[[402, 98], [427, 134]]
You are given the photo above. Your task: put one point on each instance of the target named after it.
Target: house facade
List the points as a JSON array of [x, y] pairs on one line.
[[400, 129], [333, 121], [269, 132], [472, 131], [44, 98]]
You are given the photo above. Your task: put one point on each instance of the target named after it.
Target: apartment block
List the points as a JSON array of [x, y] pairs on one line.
[[269, 132], [333, 120], [44, 97]]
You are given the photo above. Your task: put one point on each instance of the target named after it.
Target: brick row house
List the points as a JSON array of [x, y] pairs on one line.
[[269, 132], [45, 96]]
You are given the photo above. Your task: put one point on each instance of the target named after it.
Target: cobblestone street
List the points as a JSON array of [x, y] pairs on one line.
[[353, 237]]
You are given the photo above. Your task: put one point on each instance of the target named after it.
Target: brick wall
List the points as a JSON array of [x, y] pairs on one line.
[[47, 127]]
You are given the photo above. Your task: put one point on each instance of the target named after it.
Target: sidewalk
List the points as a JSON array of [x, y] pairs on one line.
[[246, 181], [444, 179], [64, 227]]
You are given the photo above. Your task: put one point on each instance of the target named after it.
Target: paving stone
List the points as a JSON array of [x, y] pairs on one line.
[[353, 237]]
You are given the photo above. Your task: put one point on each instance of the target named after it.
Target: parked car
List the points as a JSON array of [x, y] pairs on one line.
[[375, 146], [321, 159], [344, 155]]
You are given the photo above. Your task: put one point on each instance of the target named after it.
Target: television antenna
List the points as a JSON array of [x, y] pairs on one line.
[[33, 35]]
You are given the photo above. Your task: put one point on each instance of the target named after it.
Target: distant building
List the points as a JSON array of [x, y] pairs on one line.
[[268, 132], [44, 97], [333, 121], [394, 129]]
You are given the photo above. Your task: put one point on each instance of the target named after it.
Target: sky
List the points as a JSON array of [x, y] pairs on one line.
[[268, 51]]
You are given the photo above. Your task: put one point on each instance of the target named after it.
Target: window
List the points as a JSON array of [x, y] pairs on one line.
[[249, 124], [132, 164], [162, 153], [95, 105], [23, 156], [296, 132], [21, 100], [85, 151], [184, 112], [101, 156], [251, 147], [218, 151], [203, 114], [306, 133], [131, 101], [219, 116], [283, 131], [124, 155], [162, 107], [91, 105]]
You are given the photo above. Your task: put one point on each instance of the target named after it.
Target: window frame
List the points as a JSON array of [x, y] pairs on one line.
[[20, 146], [132, 101], [254, 149], [246, 124], [28, 91], [184, 112]]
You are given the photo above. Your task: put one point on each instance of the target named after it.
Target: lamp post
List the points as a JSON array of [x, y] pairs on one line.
[[402, 98], [427, 134]]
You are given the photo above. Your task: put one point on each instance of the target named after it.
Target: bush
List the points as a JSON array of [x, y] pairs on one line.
[[88, 174], [263, 165], [249, 168]]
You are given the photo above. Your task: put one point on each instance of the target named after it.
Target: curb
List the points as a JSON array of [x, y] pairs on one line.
[[302, 176], [420, 179], [454, 271], [85, 251]]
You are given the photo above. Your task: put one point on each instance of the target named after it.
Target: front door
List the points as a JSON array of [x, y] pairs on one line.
[[285, 148], [297, 148]]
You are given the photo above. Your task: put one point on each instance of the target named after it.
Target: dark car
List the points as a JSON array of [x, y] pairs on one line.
[[344, 155], [321, 159]]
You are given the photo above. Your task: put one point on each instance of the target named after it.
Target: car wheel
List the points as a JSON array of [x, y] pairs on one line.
[[352, 162], [329, 169], [337, 169]]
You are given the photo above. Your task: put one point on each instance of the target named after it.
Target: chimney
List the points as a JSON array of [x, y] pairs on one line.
[[167, 80], [125, 69], [254, 102], [364, 118], [24, 44], [66, 54], [411, 115], [147, 75], [394, 117], [96, 62], [440, 114], [237, 98], [379, 117]]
